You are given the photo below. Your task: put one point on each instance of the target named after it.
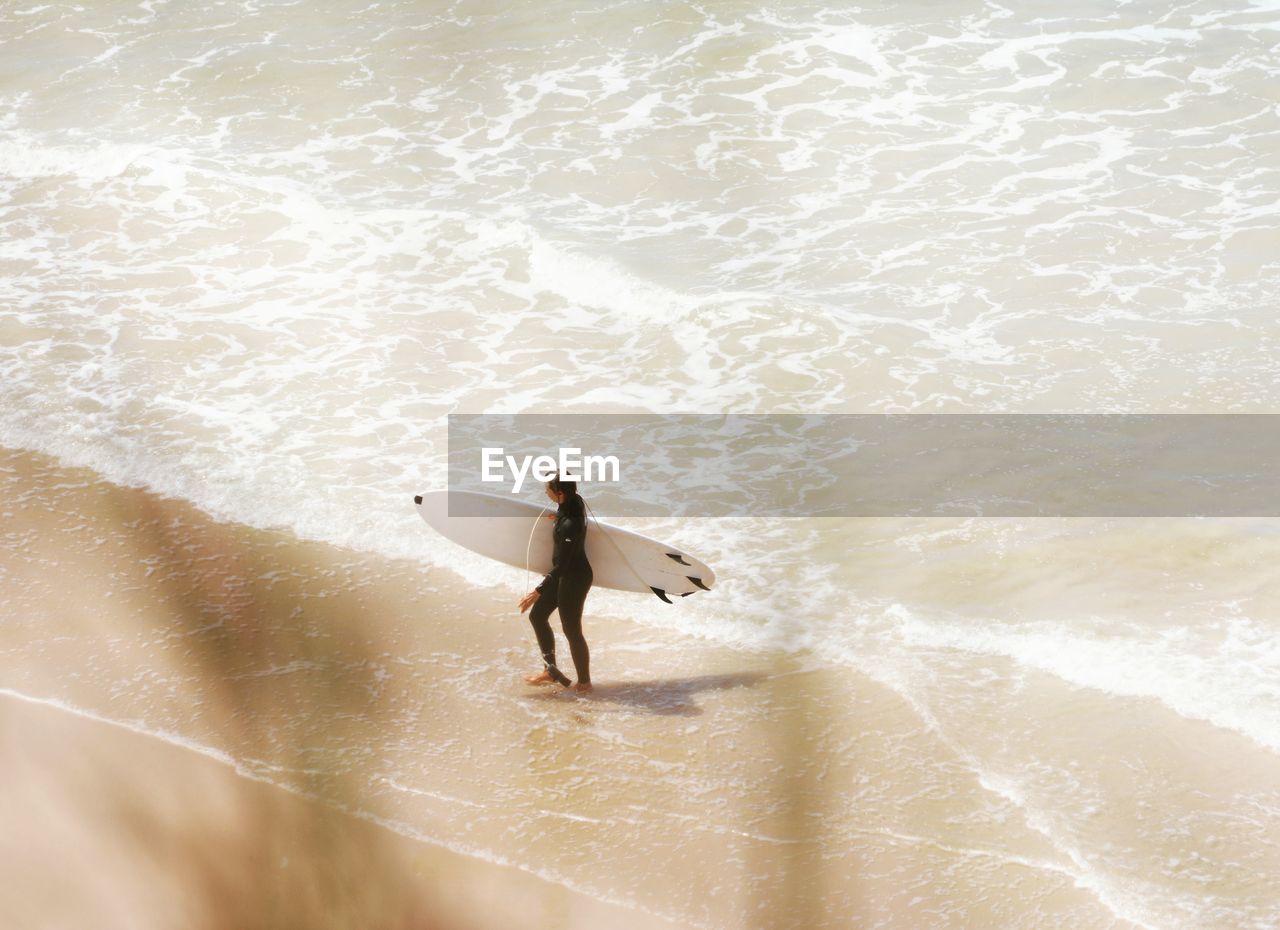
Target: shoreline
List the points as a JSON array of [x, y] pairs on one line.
[[716, 787]]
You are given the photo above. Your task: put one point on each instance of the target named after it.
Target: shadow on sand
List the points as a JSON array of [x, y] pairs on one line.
[[671, 697]]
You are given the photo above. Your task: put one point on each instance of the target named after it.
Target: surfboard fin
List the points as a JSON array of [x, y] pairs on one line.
[[677, 557], [417, 498], [662, 594], [698, 582]]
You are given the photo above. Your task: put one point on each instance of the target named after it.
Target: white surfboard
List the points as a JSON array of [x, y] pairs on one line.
[[619, 558]]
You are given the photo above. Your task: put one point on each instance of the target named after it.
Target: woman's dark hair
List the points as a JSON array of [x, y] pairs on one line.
[[567, 488]]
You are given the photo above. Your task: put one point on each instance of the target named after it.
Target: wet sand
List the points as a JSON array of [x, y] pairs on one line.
[[239, 726], [109, 828], [136, 790]]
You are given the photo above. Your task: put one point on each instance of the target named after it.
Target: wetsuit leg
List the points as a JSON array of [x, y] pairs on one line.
[[538, 615], [572, 594]]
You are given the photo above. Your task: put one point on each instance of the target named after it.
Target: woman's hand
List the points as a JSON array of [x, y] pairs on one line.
[[528, 601], [551, 517]]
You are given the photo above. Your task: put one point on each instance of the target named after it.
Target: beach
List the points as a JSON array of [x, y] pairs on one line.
[[255, 258], [108, 827], [182, 806], [226, 724]]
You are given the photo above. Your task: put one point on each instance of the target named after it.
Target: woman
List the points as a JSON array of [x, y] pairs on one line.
[[565, 587]]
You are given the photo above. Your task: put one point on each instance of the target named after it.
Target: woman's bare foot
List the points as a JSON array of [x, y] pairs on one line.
[[582, 687], [542, 678]]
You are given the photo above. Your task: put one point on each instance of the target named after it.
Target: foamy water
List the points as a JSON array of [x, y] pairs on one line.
[[253, 254]]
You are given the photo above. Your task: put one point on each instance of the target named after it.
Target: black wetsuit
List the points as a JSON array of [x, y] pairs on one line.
[[565, 587]]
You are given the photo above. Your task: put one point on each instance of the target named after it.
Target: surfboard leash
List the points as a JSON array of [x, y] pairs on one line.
[[529, 545], [560, 677]]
